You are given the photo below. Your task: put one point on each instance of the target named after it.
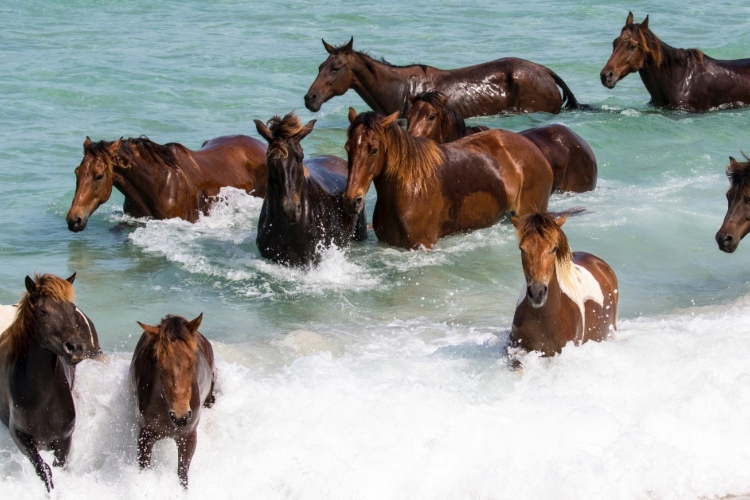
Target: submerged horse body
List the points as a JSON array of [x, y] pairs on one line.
[[38, 354], [165, 181], [507, 85], [676, 78], [567, 296], [571, 158], [427, 190], [737, 219]]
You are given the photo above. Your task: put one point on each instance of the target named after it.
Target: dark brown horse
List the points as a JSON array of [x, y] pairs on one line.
[[676, 78], [507, 85], [165, 181], [303, 210], [567, 297], [572, 160], [427, 190], [737, 220], [38, 354], [173, 376]]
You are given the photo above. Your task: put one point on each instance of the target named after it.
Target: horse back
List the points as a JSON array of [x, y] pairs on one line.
[[235, 160], [329, 172]]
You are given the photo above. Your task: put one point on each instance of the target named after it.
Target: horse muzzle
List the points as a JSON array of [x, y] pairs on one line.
[[609, 79], [727, 242], [313, 102], [355, 205], [180, 420], [76, 223], [292, 211], [74, 351], [536, 293]]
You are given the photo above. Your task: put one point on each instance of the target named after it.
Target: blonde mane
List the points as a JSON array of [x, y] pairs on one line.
[[173, 329]]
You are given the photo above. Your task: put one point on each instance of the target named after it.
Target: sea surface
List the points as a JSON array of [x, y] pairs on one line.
[[381, 373]]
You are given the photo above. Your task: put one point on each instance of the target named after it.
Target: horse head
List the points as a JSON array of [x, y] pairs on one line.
[[335, 76], [94, 181], [737, 220], [286, 173], [176, 350], [426, 116], [629, 51], [542, 245]]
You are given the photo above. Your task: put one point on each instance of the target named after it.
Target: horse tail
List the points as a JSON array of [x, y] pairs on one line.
[[569, 100]]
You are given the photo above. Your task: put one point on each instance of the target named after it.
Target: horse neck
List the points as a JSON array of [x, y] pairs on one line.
[[665, 80], [383, 87], [453, 128], [42, 369], [273, 198]]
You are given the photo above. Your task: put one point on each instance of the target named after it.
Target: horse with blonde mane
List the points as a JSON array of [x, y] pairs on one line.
[[427, 191], [567, 297], [38, 354], [737, 219]]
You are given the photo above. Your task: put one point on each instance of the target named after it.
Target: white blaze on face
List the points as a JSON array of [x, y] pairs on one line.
[[580, 285], [88, 325]]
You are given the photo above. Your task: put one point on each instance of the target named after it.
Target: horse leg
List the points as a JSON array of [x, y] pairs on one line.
[[185, 449], [61, 448], [360, 229], [28, 447], [146, 440]]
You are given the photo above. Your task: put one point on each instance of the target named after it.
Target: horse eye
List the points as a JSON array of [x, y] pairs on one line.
[[42, 312], [374, 151], [632, 47], [431, 117], [554, 250], [335, 70], [99, 177]]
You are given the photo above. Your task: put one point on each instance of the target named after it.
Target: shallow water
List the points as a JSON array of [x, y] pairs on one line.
[[380, 374]]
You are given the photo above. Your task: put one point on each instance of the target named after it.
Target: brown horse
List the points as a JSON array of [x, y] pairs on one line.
[[38, 354], [173, 375], [572, 160], [303, 209], [165, 181], [737, 220], [507, 85], [568, 297], [676, 78], [427, 190]]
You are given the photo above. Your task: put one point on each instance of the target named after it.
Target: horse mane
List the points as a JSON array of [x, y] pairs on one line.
[[411, 160], [17, 338], [282, 130], [544, 225], [159, 154], [172, 329], [660, 52], [739, 172], [438, 100]]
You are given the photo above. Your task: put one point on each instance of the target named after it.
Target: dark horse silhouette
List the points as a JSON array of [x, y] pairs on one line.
[[38, 354], [303, 209], [676, 78], [173, 376], [567, 297], [165, 181], [737, 220], [507, 85], [572, 160]]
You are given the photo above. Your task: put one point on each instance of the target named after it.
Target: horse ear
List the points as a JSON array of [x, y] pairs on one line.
[[349, 45], [411, 97], [561, 220], [115, 146], [644, 24], [352, 115], [86, 143], [442, 99], [329, 48], [30, 285], [195, 324], [306, 130], [732, 161], [151, 330], [390, 119], [515, 221], [72, 278], [628, 21], [264, 131]]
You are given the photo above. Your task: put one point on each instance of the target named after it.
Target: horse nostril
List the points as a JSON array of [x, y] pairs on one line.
[[71, 348], [358, 201]]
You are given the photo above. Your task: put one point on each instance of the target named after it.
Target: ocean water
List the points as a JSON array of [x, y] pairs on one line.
[[381, 373]]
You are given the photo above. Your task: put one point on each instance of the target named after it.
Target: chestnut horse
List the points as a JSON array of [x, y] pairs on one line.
[[507, 85], [38, 354], [427, 190], [737, 220], [568, 297], [572, 160], [173, 375], [165, 181], [676, 78], [303, 209]]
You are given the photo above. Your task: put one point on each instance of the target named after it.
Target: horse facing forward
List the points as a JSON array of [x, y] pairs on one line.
[[571, 158], [737, 220], [567, 297], [38, 355], [508, 85], [676, 78], [165, 181]]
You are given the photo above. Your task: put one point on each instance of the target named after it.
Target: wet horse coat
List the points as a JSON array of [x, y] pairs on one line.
[[737, 219]]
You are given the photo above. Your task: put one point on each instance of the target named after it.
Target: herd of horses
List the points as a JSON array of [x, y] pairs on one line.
[[435, 178]]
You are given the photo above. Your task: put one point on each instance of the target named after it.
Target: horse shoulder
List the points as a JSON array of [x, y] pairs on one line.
[[605, 280]]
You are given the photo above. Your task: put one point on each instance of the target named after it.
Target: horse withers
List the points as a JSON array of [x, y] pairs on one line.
[[567, 296], [173, 376], [737, 220], [165, 181], [38, 354], [303, 210]]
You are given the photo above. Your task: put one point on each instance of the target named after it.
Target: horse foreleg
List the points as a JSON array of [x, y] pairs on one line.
[[61, 448], [146, 440], [185, 449], [28, 447]]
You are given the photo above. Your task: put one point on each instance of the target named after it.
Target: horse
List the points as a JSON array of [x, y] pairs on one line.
[[685, 79], [165, 181], [172, 373], [508, 85], [572, 160], [303, 209], [737, 220], [38, 354], [427, 190], [568, 296]]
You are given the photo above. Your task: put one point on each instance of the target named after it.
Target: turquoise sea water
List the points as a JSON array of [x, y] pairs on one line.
[[380, 373]]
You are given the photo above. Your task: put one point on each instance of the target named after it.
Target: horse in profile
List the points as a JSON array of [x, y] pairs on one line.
[[173, 376], [165, 181], [427, 190], [508, 85], [684, 79], [572, 160], [38, 354], [737, 220], [303, 209], [567, 297]]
